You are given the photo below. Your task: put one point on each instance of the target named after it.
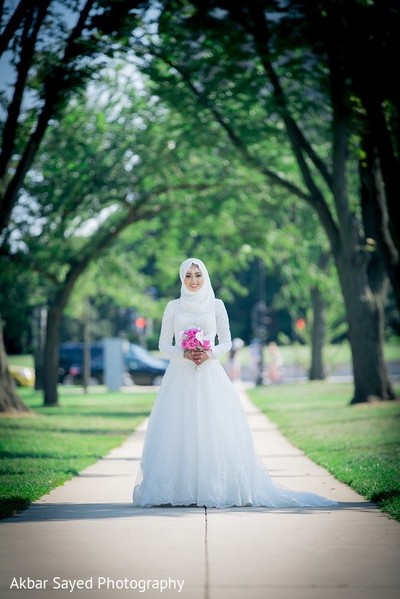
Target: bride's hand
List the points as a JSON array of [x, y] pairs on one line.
[[199, 356], [188, 354]]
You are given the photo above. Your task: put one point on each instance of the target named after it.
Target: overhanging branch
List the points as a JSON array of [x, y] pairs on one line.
[[258, 28], [314, 198]]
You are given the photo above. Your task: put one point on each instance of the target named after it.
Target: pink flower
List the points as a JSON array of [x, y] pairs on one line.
[[192, 332], [195, 337]]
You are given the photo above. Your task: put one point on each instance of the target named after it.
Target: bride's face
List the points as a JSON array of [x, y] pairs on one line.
[[193, 278]]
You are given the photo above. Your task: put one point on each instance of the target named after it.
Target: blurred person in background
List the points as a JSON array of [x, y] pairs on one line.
[[234, 362], [275, 363]]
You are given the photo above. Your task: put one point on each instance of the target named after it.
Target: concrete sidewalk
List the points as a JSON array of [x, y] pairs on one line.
[[87, 534]]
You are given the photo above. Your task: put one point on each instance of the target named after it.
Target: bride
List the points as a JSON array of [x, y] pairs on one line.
[[198, 448]]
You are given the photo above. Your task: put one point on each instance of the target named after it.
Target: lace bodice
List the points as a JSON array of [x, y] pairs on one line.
[[176, 320]]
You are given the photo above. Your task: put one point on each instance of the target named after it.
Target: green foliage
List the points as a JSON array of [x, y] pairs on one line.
[[302, 260], [41, 452], [157, 140], [205, 62], [118, 147], [208, 63], [359, 445], [72, 45], [99, 161], [20, 292]]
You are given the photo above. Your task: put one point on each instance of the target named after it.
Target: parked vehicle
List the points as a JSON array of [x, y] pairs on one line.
[[141, 368], [22, 375], [72, 353], [75, 375]]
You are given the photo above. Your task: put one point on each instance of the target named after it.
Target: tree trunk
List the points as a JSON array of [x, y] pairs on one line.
[[86, 370], [379, 224], [317, 369], [100, 242], [51, 355], [39, 335], [9, 400], [365, 315], [361, 274]]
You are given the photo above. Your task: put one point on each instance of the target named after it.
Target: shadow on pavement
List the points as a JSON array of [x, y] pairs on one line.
[[51, 512], [100, 511]]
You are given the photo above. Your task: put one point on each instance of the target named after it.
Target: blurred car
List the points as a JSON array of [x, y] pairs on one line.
[[23, 376], [72, 353], [141, 368]]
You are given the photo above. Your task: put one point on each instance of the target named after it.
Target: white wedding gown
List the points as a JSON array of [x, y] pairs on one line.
[[198, 448]]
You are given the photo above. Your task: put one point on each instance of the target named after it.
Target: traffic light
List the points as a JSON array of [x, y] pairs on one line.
[[140, 323], [300, 324]]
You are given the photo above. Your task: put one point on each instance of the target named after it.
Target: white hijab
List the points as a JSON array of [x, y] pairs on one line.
[[202, 300]]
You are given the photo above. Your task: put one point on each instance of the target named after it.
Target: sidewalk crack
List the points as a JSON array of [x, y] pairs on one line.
[[206, 560]]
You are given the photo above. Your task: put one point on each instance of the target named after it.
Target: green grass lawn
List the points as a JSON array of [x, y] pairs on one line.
[[25, 360], [38, 452], [359, 445], [335, 356]]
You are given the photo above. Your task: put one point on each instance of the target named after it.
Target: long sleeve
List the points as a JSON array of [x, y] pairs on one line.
[[223, 330], [167, 333]]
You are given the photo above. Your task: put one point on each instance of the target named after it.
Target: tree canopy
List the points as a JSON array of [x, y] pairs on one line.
[[249, 120], [255, 68]]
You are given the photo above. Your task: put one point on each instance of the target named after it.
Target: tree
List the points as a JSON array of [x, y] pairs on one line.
[[310, 287], [362, 42], [105, 176], [10, 400], [34, 28], [50, 61], [244, 54]]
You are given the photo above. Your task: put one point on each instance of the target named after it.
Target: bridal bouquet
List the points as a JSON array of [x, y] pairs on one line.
[[195, 338]]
